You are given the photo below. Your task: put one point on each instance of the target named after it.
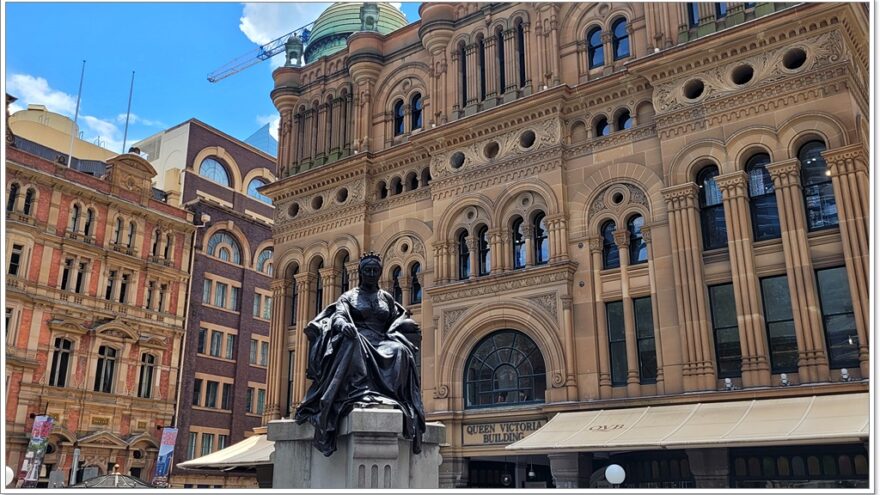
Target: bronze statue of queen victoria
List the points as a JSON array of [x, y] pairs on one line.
[[359, 356]]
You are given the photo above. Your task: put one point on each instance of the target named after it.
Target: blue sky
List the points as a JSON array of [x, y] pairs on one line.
[[170, 46]]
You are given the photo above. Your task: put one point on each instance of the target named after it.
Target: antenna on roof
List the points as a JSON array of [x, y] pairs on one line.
[[128, 113], [76, 114]]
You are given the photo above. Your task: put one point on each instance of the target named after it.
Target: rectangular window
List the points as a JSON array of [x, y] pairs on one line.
[[227, 397], [720, 10], [81, 273], [149, 295], [163, 289], [206, 292], [230, 346], [123, 287], [693, 14], [645, 337], [841, 336], [616, 342], [216, 342], [780, 324], [203, 335], [191, 449], [261, 400], [264, 354], [9, 312], [257, 298], [197, 392], [234, 296], [724, 327], [65, 273], [111, 285], [211, 394], [253, 355], [222, 440], [220, 295], [249, 400], [207, 443], [15, 259], [267, 308]]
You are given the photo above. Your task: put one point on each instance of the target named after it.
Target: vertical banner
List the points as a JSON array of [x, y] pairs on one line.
[[33, 457], [163, 461]]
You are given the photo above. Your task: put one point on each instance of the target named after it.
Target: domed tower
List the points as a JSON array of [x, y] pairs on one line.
[[333, 27]]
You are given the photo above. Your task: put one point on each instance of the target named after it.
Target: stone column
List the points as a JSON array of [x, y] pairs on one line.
[[320, 144], [538, 60], [330, 277], [473, 92], [849, 177], [528, 232], [812, 359], [710, 467], [687, 264], [438, 261], [571, 469], [474, 252], [655, 308], [511, 78], [570, 361], [491, 67], [608, 51], [298, 142], [600, 322], [304, 283], [286, 143], [506, 251], [277, 372], [553, 42], [749, 310], [621, 238], [495, 246]]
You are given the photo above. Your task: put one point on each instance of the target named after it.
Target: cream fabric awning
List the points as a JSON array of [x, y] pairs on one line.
[[252, 451], [796, 420]]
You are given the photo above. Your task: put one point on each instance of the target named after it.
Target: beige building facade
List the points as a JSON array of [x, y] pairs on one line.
[[592, 206]]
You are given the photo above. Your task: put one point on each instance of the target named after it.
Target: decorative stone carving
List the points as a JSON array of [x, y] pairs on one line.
[[547, 302], [451, 317]]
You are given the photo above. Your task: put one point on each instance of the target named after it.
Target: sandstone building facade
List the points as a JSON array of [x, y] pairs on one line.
[[594, 207]]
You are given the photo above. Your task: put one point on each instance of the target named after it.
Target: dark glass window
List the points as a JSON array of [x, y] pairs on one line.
[[15, 260], [638, 249], [821, 207], [724, 327], [344, 282], [499, 47], [519, 244], [60, 362], [624, 121], [416, 109], [485, 254], [711, 210], [224, 238], [595, 50], [643, 314], [396, 291], [197, 392], [13, 196], [398, 118], [203, 337], [521, 52], [145, 383], [74, 219], [462, 64], [720, 10], [481, 62], [603, 128], [841, 337], [213, 170], [620, 39], [28, 201], [693, 14], [105, 369], [464, 257], [253, 190], [541, 243], [319, 288], [293, 296], [132, 229], [762, 199], [226, 400], [780, 324], [415, 294], [610, 252], [616, 342], [211, 393], [505, 368]]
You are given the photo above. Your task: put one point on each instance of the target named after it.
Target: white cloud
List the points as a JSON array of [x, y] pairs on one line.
[[137, 119], [272, 120], [35, 90]]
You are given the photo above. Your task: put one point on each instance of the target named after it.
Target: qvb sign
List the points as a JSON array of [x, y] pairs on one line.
[[503, 433]]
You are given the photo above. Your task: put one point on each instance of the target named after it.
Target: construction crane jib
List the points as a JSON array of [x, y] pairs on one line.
[[259, 54]]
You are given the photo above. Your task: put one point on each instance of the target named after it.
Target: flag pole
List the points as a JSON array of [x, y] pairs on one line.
[[128, 113], [76, 114]]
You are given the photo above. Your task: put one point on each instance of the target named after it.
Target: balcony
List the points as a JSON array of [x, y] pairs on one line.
[[119, 248], [159, 260], [16, 216], [21, 357]]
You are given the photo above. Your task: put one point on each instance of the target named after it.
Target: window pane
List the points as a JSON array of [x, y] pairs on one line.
[[220, 295], [614, 314], [206, 292], [197, 392], [234, 297], [211, 394], [216, 342], [230, 347], [837, 311], [723, 305]]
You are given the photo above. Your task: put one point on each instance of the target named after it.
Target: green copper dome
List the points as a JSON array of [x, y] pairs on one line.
[[334, 25]]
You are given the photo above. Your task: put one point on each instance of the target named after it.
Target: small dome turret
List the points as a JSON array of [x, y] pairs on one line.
[[293, 47]]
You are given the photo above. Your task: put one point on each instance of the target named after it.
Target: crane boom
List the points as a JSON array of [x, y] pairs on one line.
[[257, 55]]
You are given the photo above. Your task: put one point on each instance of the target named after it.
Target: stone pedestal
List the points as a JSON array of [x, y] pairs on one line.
[[371, 453]]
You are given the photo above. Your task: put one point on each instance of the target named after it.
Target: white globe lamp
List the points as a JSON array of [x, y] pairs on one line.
[[615, 474], [10, 476]]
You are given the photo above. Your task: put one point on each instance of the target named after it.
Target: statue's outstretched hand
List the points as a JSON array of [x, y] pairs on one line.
[[349, 330]]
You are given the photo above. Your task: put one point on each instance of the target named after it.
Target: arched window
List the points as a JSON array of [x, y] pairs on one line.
[[90, 222], [253, 190], [481, 62], [541, 243], [462, 64], [215, 171], [145, 384], [117, 230], [13, 197], [464, 256], [638, 250], [294, 295], [620, 39], [396, 290], [499, 51], [595, 50], [485, 254], [169, 246], [29, 200], [505, 368], [383, 190], [223, 245], [415, 292], [624, 121], [264, 261], [154, 249], [319, 288], [426, 176], [398, 118], [344, 282], [132, 230], [610, 253], [519, 244], [73, 226], [602, 127], [818, 193], [762, 199], [415, 106], [711, 209], [60, 362], [412, 181], [720, 10], [105, 369], [396, 185], [521, 51]]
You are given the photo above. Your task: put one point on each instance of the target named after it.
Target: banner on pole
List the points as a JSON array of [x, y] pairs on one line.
[[166, 452], [33, 457]]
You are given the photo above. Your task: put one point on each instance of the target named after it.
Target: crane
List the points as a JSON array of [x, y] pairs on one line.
[[259, 54]]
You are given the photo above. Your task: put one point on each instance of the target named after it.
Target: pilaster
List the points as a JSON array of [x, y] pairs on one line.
[[600, 322], [621, 238]]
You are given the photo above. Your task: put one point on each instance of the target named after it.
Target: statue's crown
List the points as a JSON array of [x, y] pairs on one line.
[[371, 256]]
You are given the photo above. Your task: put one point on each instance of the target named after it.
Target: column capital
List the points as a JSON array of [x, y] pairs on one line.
[[733, 185], [596, 244], [304, 278], [278, 284], [846, 159], [785, 173], [646, 233], [621, 238], [680, 196]]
